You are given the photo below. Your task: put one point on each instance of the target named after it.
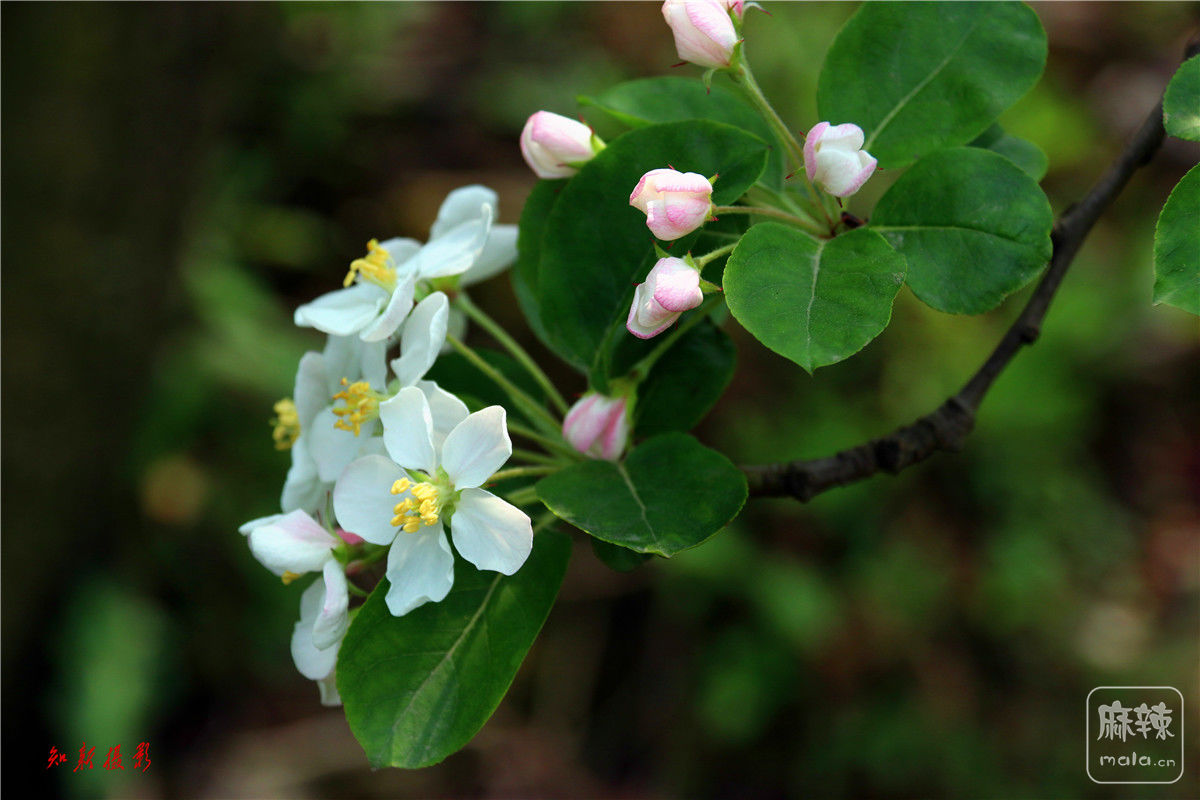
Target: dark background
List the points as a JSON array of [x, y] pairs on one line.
[[177, 178]]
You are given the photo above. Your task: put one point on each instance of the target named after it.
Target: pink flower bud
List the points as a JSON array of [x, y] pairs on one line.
[[348, 537], [675, 203], [598, 426], [671, 288], [554, 146], [704, 31], [835, 160]]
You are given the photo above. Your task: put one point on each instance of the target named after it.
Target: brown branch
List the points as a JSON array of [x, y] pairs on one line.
[[947, 427]]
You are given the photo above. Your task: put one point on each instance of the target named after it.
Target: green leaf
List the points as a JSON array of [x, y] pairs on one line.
[[670, 493], [685, 382], [1177, 246], [920, 76], [529, 252], [596, 246], [972, 225], [671, 99], [417, 688], [815, 302], [1181, 104], [618, 558], [1022, 152]]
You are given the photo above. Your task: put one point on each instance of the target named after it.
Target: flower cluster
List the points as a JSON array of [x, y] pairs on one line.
[[384, 468]]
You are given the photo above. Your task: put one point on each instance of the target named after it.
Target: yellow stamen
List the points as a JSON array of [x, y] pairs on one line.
[[401, 486], [362, 406], [288, 577], [412, 526], [421, 509], [376, 266], [287, 424]]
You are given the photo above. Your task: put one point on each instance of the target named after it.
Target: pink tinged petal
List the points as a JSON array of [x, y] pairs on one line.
[[247, 527], [810, 147], [408, 430], [846, 136], [477, 448], [646, 317], [294, 543], [464, 204], [312, 663], [454, 251], [704, 33], [446, 410], [333, 448], [422, 339], [491, 533], [348, 537], [344, 312], [837, 170], [363, 500], [397, 308], [867, 169], [420, 569], [616, 432], [552, 144], [498, 255], [332, 619], [585, 421]]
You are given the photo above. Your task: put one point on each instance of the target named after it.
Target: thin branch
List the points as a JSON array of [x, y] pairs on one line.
[[947, 427]]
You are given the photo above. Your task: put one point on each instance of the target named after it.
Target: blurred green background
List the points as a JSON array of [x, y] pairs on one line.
[[178, 177]]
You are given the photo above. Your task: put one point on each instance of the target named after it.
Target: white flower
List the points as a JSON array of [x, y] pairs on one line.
[[320, 451], [318, 635], [291, 544], [835, 160], [379, 287], [429, 481]]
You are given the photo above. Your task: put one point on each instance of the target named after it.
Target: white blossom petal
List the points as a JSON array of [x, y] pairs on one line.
[[491, 533], [303, 488], [345, 311], [311, 392], [334, 448], [455, 251], [312, 663], [456, 326], [363, 499], [397, 308], [332, 619], [420, 569], [496, 256], [464, 204], [477, 447], [294, 543], [446, 409], [408, 430], [247, 527], [401, 249], [422, 340]]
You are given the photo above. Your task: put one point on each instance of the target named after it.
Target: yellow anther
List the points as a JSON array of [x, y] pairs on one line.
[[428, 507], [376, 266], [401, 486], [412, 526], [288, 577], [429, 520], [362, 405], [287, 424], [403, 507], [399, 520]]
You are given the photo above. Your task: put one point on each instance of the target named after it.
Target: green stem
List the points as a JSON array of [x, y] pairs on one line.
[[705, 259], [544, 521], [522, 497], [810, 225], [536, 458], [558, 446], [531, 407], [500, 335], [521, 472], [642, 368]]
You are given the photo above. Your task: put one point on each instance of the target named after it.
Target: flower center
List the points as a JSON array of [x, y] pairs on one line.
[[362, 405], [422, 509], [376, 266], [287, 424]]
